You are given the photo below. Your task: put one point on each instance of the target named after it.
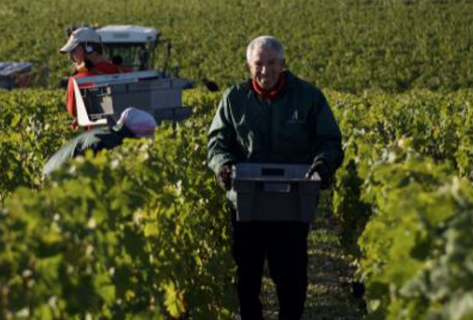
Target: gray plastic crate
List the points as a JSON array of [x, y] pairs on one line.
[[104, 96], [173, 114], [275, 192], [147, 95]]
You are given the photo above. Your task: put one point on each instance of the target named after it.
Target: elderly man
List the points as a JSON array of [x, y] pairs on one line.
[[274, 117]]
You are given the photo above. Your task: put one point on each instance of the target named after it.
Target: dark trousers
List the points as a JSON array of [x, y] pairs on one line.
[[284, 244]]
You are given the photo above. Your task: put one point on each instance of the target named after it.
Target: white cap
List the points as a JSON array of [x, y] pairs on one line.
[[138, 122], [80, 35]]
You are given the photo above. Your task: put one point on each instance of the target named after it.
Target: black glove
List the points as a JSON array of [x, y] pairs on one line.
[[321, 168], [224, 177]]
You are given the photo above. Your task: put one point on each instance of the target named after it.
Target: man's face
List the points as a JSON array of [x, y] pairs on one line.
[[266, 65], [77, 55]]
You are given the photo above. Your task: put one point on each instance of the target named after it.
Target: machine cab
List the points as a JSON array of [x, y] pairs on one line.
[[131, 46]]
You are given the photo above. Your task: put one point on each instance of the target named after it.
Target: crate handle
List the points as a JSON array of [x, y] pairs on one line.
[[277, 187], [272, 171]]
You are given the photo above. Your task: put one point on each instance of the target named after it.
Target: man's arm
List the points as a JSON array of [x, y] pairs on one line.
[[71, 101], [221, 143], [327, 136]]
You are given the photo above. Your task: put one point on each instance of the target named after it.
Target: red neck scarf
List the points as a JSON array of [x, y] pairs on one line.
[[272, 93]]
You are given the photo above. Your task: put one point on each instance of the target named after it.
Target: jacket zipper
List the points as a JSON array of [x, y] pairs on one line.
[[269, 104]]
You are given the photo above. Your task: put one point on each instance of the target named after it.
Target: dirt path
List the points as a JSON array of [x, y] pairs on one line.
[[330, 294]]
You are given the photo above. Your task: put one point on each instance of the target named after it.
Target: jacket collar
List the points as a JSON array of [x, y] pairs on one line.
[[290, 81]]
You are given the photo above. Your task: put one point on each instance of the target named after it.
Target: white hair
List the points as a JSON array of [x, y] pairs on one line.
[[264, 42]]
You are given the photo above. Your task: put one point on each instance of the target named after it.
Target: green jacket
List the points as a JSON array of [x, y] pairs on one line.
[[297, 127], [95, 140]]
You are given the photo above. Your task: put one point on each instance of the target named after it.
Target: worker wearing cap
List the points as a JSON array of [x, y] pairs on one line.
[[85, 52], [133, 123], [274, 117]]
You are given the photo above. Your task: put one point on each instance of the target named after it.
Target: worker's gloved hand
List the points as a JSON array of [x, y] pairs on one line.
[[224, 177], [321, 168], [110, 122], [74, 125]]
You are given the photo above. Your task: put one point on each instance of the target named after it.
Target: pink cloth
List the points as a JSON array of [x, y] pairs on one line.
[[139, 122]]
